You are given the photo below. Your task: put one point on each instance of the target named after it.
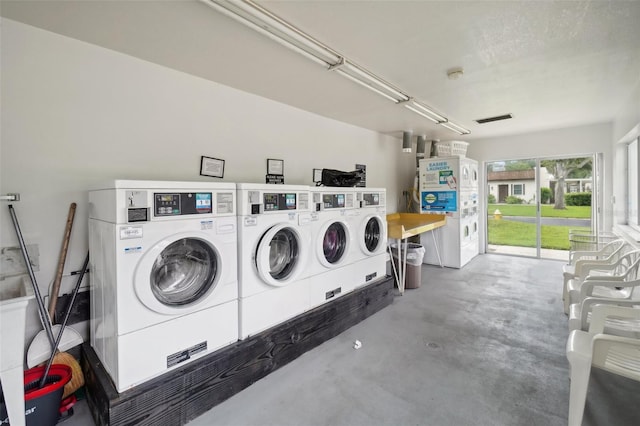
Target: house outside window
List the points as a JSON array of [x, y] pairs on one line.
[[517, 189]]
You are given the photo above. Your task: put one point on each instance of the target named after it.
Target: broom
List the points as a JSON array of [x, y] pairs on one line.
[[77, 378]]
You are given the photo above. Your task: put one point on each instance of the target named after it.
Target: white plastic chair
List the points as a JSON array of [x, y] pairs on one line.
[[615, 354], [584, 266], [600, 255], [622, 270], [624, 292]]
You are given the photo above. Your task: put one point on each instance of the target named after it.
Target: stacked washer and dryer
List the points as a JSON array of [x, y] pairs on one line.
[[163, 275], [181, 269]]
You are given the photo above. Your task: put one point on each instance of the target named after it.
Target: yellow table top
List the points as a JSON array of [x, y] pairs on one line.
[[405, 225]]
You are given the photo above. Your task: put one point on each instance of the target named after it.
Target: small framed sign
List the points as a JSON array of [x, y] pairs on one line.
[[362, 168], [213, 167], [317, 175], [275, 167]]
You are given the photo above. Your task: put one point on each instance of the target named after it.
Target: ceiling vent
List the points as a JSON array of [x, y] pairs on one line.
[[495, 118]]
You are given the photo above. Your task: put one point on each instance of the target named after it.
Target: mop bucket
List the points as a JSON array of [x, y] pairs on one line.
[[42, 405]]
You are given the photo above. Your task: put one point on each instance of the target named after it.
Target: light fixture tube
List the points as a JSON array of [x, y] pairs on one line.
[[373, 79], [261, 20], [429, 111], [364, 84], [422, 113], [455, 128]]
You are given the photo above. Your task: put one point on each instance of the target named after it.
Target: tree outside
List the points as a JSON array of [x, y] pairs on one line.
[[564, 169]]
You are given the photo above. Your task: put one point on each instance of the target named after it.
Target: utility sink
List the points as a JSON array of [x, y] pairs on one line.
[[15, 294]]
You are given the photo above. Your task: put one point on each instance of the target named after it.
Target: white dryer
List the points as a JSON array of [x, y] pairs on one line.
[[274, 245], [333, 229], [164, 289], [371, 234]]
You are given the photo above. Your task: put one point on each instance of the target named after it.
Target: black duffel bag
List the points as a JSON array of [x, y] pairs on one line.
[[332, 177]]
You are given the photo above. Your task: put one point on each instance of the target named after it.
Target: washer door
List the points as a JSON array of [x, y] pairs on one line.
[[334, 246], [279, 255], [177, 276], [372, 235]]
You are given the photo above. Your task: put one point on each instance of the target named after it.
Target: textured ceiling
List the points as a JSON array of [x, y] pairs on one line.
[[550, 63]]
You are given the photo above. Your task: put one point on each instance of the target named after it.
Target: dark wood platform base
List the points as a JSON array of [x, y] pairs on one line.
[[185, 393]]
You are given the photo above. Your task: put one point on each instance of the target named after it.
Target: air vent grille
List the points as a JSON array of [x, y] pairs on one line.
[[494, 118]]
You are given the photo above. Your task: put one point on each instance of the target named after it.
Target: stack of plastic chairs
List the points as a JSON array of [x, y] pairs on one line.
[[624, 268], [584, 263], [620, 290], [603, 349]]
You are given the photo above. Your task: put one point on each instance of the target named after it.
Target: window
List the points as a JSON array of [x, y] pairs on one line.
[[517, 189], [632, 183]]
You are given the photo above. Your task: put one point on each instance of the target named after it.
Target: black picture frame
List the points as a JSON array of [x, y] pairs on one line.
[[213, 167], [275, 167]]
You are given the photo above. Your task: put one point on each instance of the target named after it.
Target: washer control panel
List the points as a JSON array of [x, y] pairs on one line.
[[178, 204], [277, 202]]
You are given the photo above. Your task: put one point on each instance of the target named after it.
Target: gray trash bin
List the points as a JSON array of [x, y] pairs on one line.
[[415, 255]]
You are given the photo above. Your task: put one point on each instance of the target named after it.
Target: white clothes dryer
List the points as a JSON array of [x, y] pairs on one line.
[[333, 227], [371, 234], [164, 289], [273, 254]]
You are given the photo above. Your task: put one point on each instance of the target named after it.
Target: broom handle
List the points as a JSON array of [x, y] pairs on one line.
[[44, 318], [55, 289], [64, 321]]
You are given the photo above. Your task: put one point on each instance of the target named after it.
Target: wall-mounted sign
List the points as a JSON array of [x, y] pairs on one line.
[[362, 168], [317, 175], [276, 179], [438, 201], [275, 167], [213, 167]]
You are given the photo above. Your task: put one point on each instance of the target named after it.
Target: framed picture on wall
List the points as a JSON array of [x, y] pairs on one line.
[[213, 167], [275, 167]]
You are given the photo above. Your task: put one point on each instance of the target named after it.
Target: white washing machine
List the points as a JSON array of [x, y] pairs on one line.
[[164, 289], [274, 248], [333, 227], [371, 235]]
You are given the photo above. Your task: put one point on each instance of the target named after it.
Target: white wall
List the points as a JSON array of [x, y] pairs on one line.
[[549, 143], [74, 115]]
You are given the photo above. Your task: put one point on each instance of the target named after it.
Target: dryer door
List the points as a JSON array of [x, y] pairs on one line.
[[176, 277], [279, 256], [373, 236], [334, 246]]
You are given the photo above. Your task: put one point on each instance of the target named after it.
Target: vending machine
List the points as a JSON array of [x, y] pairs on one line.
[[449, 186]]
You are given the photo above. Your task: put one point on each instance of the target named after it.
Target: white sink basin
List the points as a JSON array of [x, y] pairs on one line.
[[15, 294]]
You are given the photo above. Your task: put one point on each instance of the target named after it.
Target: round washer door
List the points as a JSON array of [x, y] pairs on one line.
[[176, 276], [279, 256], [372, 235], [333, 243]]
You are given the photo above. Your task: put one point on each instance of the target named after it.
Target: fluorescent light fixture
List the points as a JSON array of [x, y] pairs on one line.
[[368, 86], [260, 19], [454, 127], [406, 141], [370, 80], [425, 111], [256, 17]]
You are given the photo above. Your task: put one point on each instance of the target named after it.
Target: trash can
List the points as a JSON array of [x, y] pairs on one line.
[[415, 255]]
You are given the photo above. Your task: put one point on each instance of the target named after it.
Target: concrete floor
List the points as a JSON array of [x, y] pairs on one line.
[[484, 345]]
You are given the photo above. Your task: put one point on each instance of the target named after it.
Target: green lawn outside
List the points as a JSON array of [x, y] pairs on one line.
[[509, 233], [580, 212]]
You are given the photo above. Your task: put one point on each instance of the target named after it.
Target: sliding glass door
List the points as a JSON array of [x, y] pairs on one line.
[[533, 204]]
